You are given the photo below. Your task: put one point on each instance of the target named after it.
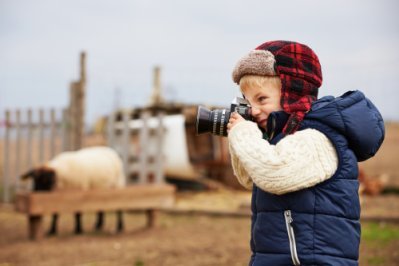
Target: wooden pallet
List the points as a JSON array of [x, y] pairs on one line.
[[137, 197]]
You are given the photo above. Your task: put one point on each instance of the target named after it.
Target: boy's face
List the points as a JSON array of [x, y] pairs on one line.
[[264, 99]]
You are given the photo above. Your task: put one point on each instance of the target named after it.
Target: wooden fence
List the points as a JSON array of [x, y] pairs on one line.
[[30, 138], [33, 137], [139, 142]]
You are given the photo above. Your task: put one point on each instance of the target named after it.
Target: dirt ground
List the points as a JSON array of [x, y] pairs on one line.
[[178, 239]]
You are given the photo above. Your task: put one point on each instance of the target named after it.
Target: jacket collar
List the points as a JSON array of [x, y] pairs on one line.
[[275, 123]]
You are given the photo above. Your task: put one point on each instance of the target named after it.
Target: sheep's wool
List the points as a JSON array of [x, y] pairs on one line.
[[94, 167]]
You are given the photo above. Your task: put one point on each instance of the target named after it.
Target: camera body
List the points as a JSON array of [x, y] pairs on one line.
[[215, 121], [241, 106]]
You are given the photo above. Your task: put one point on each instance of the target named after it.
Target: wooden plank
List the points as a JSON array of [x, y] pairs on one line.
[[138, 197]]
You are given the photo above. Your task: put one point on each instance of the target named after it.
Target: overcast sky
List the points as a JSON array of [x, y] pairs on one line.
[[197, 44]]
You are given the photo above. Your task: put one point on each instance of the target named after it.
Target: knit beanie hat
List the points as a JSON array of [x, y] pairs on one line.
[[298, 68]]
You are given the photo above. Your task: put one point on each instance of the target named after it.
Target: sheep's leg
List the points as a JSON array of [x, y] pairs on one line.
[[119, 225], [53, 228], [78, 223], [100, 221]]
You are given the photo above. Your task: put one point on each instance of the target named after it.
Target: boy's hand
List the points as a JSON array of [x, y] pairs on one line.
[[235, 118]]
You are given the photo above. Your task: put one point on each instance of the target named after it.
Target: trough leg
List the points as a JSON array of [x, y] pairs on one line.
[[100, 221], [35, 227], [152, 217], [119, 226], [53, 227], [78, 223]]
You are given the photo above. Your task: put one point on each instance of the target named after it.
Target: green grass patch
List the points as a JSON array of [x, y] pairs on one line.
[[380, 232], [139, 262], [376, 261]]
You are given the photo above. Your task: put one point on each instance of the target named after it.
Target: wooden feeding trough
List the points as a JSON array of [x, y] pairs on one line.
[[149, 198]]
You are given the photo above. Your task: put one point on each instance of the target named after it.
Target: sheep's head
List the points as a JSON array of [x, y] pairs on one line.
[[43, 178]]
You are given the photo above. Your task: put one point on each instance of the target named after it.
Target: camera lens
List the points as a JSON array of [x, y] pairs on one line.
[[214, 122]]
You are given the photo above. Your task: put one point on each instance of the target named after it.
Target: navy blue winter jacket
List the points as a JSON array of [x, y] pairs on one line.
[[319, 225]]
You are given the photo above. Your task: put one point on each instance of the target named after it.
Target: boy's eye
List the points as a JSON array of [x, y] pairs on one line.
[[261, 99]]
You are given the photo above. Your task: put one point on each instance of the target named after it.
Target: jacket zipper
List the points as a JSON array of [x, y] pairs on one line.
[[271, 128], [291, 237]]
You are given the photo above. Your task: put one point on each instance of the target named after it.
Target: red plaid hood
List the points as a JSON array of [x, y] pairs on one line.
[[300, 72]]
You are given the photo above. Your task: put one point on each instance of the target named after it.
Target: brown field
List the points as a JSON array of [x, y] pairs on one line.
[[385, 164], [178, 239]]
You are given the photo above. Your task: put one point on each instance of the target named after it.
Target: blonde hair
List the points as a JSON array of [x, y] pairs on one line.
[[249, 81]]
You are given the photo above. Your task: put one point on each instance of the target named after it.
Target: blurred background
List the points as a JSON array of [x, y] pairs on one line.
[[95, 68]]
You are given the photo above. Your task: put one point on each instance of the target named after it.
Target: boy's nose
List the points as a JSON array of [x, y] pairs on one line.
[[255, 111]]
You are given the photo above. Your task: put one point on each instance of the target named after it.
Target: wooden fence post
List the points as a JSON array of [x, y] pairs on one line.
[[126, 142], [41, 135], [65, 130], [76, 106], [6, 174], [53, 133], [17, 147], [111, 130], [159, 175], [29, 125], [143, 143], [156, 97]]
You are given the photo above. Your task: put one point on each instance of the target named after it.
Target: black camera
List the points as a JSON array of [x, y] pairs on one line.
[[215, 121]]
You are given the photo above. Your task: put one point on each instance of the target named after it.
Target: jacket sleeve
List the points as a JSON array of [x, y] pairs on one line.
[[298, 161], [239, 171]]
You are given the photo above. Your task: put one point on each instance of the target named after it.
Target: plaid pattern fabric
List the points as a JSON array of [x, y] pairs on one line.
[[300, 72]]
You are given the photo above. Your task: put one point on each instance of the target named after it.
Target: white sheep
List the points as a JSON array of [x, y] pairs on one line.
[[88, 168]]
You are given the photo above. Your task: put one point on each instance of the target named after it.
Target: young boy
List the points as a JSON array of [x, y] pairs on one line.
[[300, 158]]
